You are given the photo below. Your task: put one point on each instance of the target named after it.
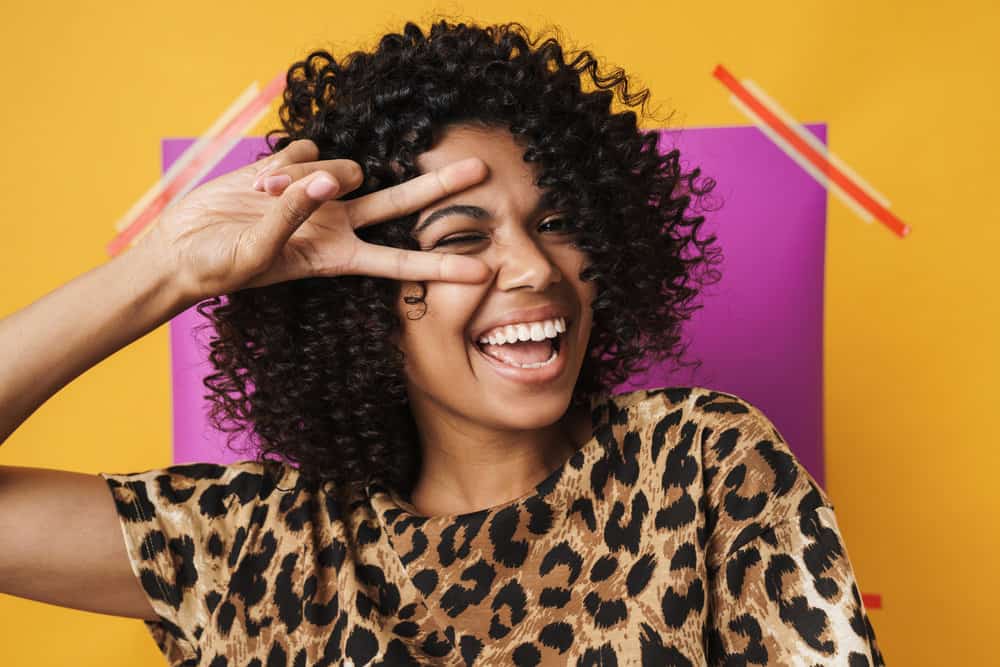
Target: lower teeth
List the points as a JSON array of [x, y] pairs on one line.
[[539, 364]]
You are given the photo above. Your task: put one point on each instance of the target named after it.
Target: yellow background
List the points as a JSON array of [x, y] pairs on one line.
[[909, 93]]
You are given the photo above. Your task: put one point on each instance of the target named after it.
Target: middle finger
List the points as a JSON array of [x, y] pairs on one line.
[[346, 172]]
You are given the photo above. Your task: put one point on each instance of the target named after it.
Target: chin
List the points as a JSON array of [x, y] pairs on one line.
[[524, 399], [484, 389], [526, 413]]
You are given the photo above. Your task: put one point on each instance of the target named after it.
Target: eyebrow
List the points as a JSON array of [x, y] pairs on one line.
[[468, 210], [474, 212]]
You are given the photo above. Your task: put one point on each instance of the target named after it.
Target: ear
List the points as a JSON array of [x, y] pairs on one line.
[[410, 306]]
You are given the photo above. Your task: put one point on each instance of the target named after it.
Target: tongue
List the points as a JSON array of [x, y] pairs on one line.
[[521, 353]]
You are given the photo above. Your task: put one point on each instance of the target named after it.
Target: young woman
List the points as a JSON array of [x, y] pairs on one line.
[[453, 252]]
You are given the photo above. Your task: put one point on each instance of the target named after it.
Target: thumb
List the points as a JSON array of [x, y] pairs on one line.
[[293, 207]]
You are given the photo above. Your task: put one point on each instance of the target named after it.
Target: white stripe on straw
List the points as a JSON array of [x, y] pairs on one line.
[[808, 166], [811, 139], [187, 156]]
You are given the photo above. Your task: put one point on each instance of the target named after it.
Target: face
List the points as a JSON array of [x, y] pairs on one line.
[[534, 291]]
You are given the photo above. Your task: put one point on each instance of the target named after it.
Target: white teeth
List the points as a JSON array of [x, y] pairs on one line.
[[539, 364], [534, 331]]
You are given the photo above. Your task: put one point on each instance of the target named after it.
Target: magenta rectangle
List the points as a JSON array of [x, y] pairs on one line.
[[759, 334]]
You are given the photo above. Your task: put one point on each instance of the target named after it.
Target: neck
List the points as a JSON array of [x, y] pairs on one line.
[[468, 467]]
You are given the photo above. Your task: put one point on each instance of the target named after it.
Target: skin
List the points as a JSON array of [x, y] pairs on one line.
[[487, 439]]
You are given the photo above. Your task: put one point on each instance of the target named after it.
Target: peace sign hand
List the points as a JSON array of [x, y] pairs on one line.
[[224, 235]]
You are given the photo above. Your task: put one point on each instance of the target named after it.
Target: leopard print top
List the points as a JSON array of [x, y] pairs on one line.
[[685, 532]]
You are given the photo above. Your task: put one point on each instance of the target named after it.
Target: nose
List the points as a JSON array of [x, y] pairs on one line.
[[523, 263]]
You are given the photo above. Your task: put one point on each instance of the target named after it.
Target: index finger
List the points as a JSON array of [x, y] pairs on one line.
[[413, 195], [416, 265]]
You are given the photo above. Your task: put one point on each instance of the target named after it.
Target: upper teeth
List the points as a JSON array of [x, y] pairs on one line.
[[512, 333]]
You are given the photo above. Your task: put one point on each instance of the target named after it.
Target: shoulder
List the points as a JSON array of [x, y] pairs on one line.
[[729, 420], [750, 479], [210, 490], [703, 407]]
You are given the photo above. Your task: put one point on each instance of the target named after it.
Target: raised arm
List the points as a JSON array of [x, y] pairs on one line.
[[50, 342], [60, 539], [223, 236]]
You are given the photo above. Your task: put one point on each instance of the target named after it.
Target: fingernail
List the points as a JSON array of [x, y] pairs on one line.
[[321, 187], [277, 181], [258, 183]]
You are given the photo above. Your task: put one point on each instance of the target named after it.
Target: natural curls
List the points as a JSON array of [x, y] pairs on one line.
[[308, 367]]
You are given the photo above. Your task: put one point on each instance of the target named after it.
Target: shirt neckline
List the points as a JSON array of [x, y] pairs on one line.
[[385, 499]]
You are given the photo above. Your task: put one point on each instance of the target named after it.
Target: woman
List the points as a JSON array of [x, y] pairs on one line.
[[433, 281]]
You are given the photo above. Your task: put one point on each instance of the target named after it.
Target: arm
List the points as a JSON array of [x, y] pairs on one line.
[[61, 540], [220, 238], [61, 537], [782, 590], [46, 345], [54, 521]]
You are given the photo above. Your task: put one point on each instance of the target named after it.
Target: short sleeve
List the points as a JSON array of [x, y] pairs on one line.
[[782, 590], [753, 480], [789, 596], [183, 527]]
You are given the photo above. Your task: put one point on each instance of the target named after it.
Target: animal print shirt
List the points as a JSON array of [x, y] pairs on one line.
[[685, 532]]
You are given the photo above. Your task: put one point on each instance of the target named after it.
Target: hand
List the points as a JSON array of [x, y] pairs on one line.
[[225, 235]]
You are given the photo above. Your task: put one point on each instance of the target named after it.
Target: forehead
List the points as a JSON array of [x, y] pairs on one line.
[[496, 146]]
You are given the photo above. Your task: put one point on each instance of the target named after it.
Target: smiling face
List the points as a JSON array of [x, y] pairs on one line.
[[504, 383]]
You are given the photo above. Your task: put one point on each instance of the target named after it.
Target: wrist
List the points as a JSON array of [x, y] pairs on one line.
[[158, 283]]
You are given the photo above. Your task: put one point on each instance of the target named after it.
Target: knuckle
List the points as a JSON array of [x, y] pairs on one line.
[[275, 170], [347, 174], [443, 188], [397, 199], [305, 147], [299, 144], [267, 164], [355, 175]]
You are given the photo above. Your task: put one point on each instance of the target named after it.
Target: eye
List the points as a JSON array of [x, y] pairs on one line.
[[561, 224], [462, 239]]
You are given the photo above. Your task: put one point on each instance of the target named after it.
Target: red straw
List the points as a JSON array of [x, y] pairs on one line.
[[872, 600], [233, 128], [808, 152]]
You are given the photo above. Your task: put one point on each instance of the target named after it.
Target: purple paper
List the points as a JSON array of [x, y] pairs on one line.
[[759, 334]]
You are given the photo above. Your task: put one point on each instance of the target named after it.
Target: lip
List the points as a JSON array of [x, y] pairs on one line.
[[528, 375], [536, 314]]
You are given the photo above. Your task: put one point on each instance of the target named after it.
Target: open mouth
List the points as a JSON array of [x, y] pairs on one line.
[[552, 353], [525, 346]]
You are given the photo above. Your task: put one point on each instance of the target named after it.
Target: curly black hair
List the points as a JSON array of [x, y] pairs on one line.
[[307, 366]]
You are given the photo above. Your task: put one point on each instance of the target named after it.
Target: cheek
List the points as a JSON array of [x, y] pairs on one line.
[[574, 261], [432, 326], [571, 262]]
